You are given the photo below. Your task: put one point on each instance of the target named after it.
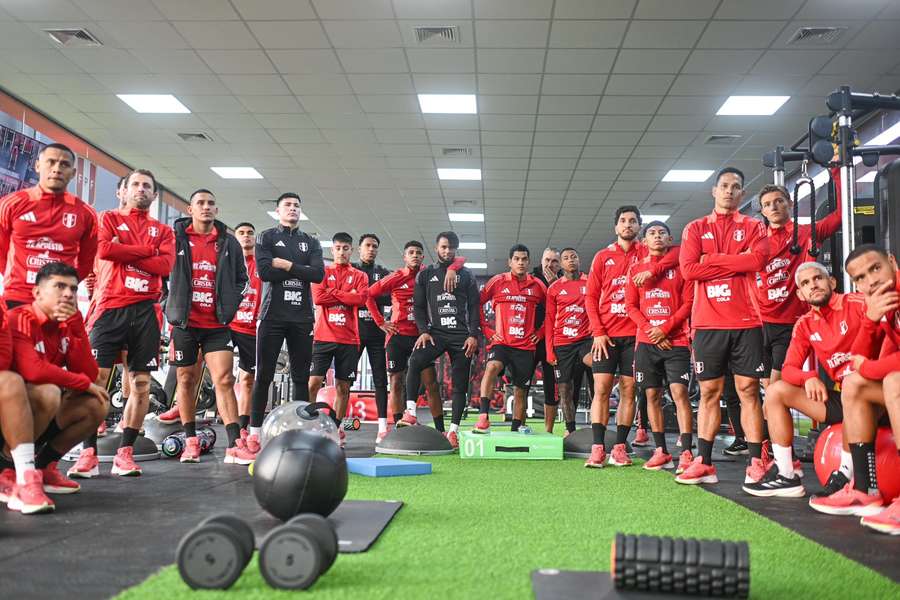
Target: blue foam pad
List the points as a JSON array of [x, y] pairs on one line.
[[387, 467]]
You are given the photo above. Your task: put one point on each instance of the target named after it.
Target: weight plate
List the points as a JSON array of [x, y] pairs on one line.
[[239, 527], [325, 535], [210, 557], [290, 558]]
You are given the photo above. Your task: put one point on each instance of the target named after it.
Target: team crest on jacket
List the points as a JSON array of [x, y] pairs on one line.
[[69, 220], [303, 246], [153, 231], [738, 235]]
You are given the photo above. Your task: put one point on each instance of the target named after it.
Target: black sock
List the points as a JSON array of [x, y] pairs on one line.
[[190, 429], [398, 417], [244, 421], [734, 415], [91, 442], [622, 433], [864, 478], [233, 431], [570, 426], [485, 405], [6, 462], [755, 449], [687, 441], [129, 434], [46, 456], [643, 419], [659, 438], [439, 423], [765, 430], [516, 423], [381, 401], [49, 433], [704, 449], [599, 432]]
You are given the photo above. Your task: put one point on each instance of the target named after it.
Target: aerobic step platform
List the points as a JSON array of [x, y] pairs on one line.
[[510, 446], [387, 467]]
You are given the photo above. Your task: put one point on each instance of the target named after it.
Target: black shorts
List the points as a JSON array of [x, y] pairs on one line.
[[621, 358], [187, 341], [570, 359], [345, 357], [399, 348], [776, 339], [718, 351], [135, 328], [653, 366], [246, 345], [834, 410], [518, 363]]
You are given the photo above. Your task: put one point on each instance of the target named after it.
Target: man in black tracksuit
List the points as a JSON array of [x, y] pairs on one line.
[[371, 336], [447, 322], [288, 261]]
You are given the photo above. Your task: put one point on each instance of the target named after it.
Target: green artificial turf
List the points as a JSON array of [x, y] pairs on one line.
[[476, 529]]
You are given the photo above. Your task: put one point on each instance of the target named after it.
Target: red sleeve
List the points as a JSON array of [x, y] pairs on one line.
[[115, 251], [592, 296], [832, 223], [5, 232], [669, 261], [877, 370], [162, 263], [693, 270], [324, 296], [33, 367], [550, 324], [79, 358], [382, 286], [633, 301], [5, 342], [539, 332], [868, 338], [361, 285], [87, 247], [683, 311], [797, 353], [458, 263], [750, 262]]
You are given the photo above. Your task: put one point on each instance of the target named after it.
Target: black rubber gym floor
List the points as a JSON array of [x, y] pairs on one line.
[[115, 533]]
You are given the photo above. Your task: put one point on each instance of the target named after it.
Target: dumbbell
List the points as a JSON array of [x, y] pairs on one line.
[[214, 553], [294, 555]]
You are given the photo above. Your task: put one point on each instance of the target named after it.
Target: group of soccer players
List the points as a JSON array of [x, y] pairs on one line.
[[733, 301]]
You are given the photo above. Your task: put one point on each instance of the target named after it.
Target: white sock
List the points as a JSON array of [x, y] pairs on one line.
[[454, 427], [411, 407], [846, 464], [23, 457], [255, 431], [784, 460], [382, 424]]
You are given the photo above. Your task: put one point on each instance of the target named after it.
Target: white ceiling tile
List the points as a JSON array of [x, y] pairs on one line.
[[691, 85], [593, 9], [281, 10], [444, 83], [505, 151], [856, 62], [203, 10], [665, 138], [518, 9], [651, 85], [560, 138], [679, 123], [511, 34], [650, 61], [429, 60], [758, 9], [792, 62], [507, 122], [613, 138], [120, 10], [279, 35], [433, 9], [828, 9], [512, 105], [573, 84], [353, 9], [305, 61], [401, 136], [663, 34], [388, 60], [728, 62], [621, 122], [508, 84], [363, 34], [675, 9], [740, 34], [216, 35], [691, 105], [511, 61], [214, 104], [568, 105], [497, 164], [255, 84], [451, 121], [389, 103], [104, 60], [284, 121], [773, 84], [381, 83], [506, 138], [330, 104], [553, 163], [395, 121], [14, 36], [556, 152], [247, 62], [271, 104], [579, 61], [145, 34], [628, 105], [171, 61], [587, 34], [607, 151], [244, 135], [48, 10], [324, 84]]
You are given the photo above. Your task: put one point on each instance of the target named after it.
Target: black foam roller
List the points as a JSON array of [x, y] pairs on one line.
[[681, 566]]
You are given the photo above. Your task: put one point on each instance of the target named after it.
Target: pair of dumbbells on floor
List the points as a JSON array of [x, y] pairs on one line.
[[292, 556]]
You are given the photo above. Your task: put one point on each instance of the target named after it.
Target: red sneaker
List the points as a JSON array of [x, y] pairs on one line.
[[87, 465], [848, 501], [7, 484], [191, 452], [756, 470], [597, 459], [170, 416], [698, 473], [245, 434], [101, 430], [30, 498], [253, 444], [55, 482], [798, 468], [408, 420], [619, 456], [483, 424], [453, 438], [342, 436], [660, 460], [239, 454], [887, 521], [684, 461], [641, 438], [123, 463]]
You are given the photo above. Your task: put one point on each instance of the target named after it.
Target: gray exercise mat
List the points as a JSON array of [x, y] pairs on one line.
[[358, 523], [553, 584]]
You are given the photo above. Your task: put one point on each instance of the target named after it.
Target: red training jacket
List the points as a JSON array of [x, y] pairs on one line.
[[42, 347], [5, 340], [879, 343], [666, 303], [566, 321], [37, 228], [248, 312], [721, 254], [342, 290], [203, 278], [515, 305]]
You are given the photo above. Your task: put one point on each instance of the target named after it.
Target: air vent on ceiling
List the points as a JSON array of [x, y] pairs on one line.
[[463, 203], [195, 137], [815, 36], [73, 38], [441, 34], [456, 151], [723, 139]]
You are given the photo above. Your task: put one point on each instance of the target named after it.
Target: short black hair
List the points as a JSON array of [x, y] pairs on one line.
[[369, 235], [287, 195], [145, 172], [55, 268], [343, 237], [865, 249], [628, 208], [519, 248], [57, 146], [244, 224], [451, 238], [122, 181], [414, 244], [200, 191], [568, 249], [657, 224], [727, 170]]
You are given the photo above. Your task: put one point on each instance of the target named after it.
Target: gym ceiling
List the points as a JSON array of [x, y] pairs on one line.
[[582, 105]]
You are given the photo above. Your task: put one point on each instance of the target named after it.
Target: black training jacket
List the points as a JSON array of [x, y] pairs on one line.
[[437, 311], [367, 326], [286, 295], [231, 276]]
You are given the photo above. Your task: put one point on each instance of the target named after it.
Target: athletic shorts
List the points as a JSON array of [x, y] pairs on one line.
[[399, 348], [246, 345], [776, 339], [345, 357], [519, 364], [653, 366], [620, 360], [834, 410], [188, 341], [136, 328], [570, 358], [718, 351]]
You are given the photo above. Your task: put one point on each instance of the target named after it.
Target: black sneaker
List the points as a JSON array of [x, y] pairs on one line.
[[774, 484], [836, 482], [737, 447]]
